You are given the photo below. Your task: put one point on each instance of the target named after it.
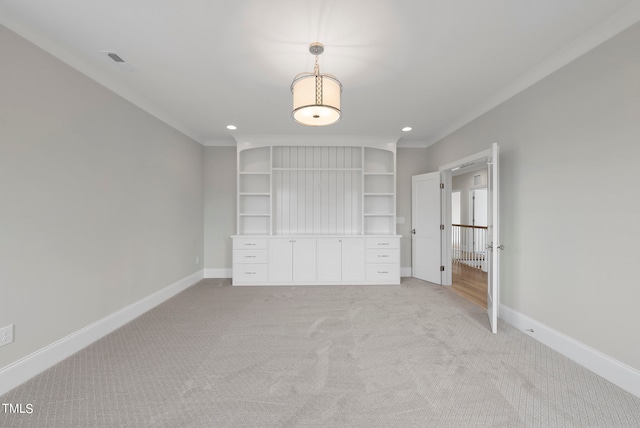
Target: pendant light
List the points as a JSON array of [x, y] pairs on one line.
[[316, 97]]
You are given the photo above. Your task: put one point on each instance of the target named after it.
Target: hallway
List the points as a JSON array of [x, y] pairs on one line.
[[470, 283]]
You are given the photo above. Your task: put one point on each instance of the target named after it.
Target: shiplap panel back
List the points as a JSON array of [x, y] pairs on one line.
[[317, 190]]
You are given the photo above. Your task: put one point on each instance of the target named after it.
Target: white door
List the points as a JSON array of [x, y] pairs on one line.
[[280, 260], [425, 218], [329, 260], [353, 259], [493, 289], [304, 260]]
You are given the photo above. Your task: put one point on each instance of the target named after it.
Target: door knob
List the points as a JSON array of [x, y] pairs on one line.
[[413, 231]]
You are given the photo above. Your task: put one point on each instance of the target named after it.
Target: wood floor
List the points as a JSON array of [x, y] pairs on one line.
[[469, 283]]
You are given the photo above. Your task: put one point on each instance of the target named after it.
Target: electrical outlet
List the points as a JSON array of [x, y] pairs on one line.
[[6, 335]]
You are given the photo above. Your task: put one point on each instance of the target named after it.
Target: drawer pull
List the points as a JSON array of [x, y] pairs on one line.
[[383, 255], [249, 273], [249, 245], [249, 257], [383, 243], [383, 271]]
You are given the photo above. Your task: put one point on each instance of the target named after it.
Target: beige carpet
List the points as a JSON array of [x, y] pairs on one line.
[[414, 355]]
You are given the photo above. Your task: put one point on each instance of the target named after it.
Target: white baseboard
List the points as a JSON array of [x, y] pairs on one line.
[[24, 369], [614, 371], [405, 271], [218, 273]]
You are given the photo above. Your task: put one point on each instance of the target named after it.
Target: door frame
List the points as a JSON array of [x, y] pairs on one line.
[[446, 174]]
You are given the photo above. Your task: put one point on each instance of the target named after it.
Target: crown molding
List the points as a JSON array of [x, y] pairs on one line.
[[413, 144], [219, 143], [316, 140], [614, 25]]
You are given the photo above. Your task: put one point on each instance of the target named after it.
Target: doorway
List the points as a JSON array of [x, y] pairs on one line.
[[487, 160], [469, 276]]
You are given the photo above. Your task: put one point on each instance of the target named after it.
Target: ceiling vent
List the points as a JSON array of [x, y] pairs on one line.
[[118, 62], [114, 56]]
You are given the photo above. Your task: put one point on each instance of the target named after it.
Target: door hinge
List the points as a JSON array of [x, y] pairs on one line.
[[442, 227], [442, 185], [441, 268]]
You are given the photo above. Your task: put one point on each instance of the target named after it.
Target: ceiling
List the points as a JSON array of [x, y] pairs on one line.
[[434, 65]]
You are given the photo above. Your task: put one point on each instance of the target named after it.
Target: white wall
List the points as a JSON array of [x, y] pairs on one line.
[[410, 162], [570, 147], [101, 204]]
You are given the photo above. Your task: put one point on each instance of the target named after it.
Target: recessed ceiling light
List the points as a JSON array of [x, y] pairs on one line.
[[407, 129], [232, 127]]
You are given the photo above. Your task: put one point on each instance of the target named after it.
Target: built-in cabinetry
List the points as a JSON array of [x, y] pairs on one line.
[[250, 257], [254, 191], [316, 215], [382, 259], [293, 260], [379, 192], [341, 259]]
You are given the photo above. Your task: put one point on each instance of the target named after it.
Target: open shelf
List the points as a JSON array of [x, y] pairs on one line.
[[378, 161], [379, 224], [256, 161], [316, 190], [253, 224]]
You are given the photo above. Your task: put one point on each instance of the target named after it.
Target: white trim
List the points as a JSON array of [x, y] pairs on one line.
[[101, 73], [405, 271], [25, 368], [218, 273], [446, 177], [220, 143], [247, 141], [617, 23], [413, 144], [470, 160], [614, 371]]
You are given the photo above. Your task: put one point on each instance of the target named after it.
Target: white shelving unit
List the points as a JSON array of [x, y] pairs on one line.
[[254, 192], [290, 195], [379, 194]]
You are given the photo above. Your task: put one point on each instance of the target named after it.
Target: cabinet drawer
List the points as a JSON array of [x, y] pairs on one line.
[[250, 273], [383, 273], [249, 244], [390, 255], [249, 256], [383, 243]]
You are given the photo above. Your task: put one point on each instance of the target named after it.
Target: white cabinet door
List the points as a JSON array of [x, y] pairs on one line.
[[329, 260], [304, 260], [280, 260], [353, 260]]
